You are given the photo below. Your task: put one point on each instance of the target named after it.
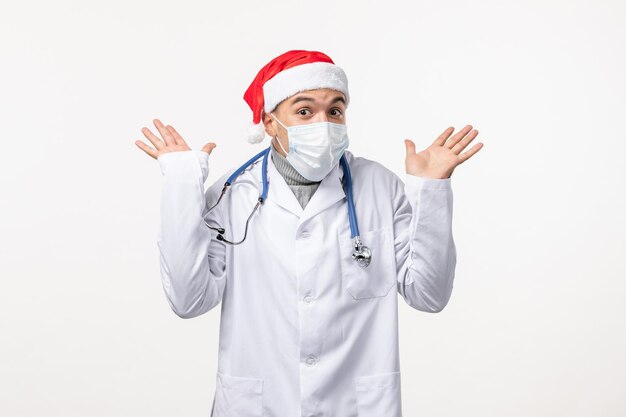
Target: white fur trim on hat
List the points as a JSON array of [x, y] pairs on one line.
[[303, 77]]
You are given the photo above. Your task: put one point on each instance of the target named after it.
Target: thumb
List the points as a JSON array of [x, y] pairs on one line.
[[410, 146], [208, 147]]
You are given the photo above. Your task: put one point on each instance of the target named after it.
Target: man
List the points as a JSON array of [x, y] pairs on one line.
[[305, 329]]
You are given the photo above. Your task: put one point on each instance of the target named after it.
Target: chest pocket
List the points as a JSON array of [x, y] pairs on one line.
[[379, 276]]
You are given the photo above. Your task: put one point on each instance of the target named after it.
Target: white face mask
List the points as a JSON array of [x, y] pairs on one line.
[[315, 148]]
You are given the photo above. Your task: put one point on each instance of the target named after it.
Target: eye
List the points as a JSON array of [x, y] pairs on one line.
[[338, 112], [300, 112]]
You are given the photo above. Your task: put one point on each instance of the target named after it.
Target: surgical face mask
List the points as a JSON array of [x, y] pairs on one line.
[[315, 148]]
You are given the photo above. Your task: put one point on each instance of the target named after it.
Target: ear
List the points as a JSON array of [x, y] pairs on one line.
[[268, 122]]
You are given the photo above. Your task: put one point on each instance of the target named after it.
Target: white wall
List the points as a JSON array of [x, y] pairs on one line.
[[536, 322]]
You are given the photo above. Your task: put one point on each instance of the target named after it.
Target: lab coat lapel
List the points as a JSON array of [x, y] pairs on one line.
[[279, 192], [328, 192]]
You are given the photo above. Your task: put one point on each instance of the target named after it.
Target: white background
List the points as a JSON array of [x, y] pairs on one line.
[[535, 326]]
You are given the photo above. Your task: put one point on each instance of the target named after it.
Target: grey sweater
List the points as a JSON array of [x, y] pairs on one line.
[[302, 188]]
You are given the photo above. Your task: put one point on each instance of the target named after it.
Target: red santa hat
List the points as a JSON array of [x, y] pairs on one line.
[[286, 75]]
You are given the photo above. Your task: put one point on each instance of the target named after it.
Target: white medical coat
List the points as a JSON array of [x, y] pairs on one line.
[[304, 330]]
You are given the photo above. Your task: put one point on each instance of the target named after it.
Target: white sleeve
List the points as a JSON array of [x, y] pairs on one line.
[[192, 260], [425, 249]]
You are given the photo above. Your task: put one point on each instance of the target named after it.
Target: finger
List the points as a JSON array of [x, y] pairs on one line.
[[208, 148], [441, 139], [154, 139], [467, 155], [410, 146], [458, 136], [150, 151], [462, 144], [167, 136], [177, 137]]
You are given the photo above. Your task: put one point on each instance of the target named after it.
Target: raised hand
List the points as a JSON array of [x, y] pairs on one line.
[[172, 141], [441, 158]]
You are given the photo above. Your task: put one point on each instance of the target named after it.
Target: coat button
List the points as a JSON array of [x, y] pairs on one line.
[[310, 361], [305, 235], [308, 298]]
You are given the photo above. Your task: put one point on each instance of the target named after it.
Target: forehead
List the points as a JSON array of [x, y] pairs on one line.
[[318, 94]]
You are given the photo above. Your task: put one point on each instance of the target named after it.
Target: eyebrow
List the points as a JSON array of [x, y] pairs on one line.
[[306, 98]]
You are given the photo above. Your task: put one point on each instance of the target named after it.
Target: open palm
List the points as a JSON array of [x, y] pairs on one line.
[[171, 141], [441, 158]]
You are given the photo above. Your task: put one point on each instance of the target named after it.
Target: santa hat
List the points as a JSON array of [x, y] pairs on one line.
[[286, 75]]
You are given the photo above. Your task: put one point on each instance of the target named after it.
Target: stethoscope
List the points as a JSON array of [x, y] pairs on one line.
[[362, 254]]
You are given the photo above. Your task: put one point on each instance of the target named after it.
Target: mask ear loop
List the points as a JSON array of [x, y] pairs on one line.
[[276, 137], [280, 144]]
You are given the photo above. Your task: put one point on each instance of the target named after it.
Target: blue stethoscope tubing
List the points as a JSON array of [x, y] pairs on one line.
[[362, 254]]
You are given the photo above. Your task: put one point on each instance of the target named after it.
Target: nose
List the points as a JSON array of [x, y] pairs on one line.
[[322, 118]]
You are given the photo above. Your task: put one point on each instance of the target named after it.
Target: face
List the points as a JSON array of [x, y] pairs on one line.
[[309, 106]]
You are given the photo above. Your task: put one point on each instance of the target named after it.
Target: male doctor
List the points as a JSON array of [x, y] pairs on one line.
[[305, 329]]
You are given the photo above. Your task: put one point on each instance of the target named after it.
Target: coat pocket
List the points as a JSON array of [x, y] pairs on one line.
[[237, 396], [379, 395], [379, 276]]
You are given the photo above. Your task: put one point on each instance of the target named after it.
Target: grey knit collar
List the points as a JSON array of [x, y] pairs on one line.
[[292, 177]]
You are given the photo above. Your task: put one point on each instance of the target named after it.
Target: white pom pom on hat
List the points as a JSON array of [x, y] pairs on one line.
[[256, 132], [288, 74]]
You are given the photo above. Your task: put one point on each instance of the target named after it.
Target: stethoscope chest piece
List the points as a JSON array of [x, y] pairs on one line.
[[362, 254]]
